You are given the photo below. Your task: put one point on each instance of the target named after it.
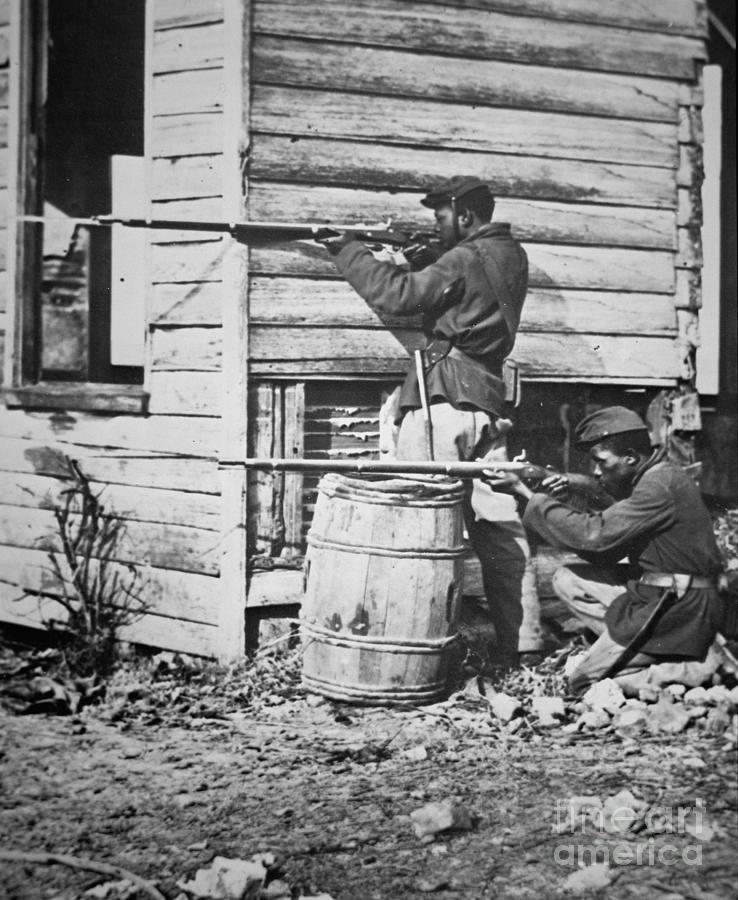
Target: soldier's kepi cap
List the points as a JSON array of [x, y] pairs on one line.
[[605, 422], [453, 188]]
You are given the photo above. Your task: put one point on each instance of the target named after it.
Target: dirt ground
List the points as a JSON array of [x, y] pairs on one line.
[[169, 772]]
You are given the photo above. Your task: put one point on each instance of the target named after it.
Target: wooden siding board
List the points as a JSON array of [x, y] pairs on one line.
[[182, 49], [187, 262], [151, 630], [166, 546], [370, 70], [482, 34], [668, 16], [586, 268], [186, 177], [141, 504], [366, 165], [185, 596], [186, 393], [156, 434], [187, 134], [290, 301], [377, 350], [312, 113], [181, 13], [534, 220], [109, 466], [187, 304], [193, 91]]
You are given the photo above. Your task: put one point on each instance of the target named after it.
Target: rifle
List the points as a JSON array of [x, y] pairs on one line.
[[528, 472], [383, 234]]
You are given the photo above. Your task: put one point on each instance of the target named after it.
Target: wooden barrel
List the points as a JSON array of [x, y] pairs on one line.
[[383, 588]]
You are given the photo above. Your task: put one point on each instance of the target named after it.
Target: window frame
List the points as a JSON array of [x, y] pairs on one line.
[[21, 388]]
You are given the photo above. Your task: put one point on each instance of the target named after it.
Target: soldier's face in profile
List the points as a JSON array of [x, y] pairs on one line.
[[445, 226], [615, 473]]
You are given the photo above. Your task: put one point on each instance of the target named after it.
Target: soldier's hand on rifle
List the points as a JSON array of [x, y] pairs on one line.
[[421, 251], [334, 241], [506, 482], [556, 485]]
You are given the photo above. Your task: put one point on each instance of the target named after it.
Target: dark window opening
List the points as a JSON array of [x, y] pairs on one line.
[[92, 118]]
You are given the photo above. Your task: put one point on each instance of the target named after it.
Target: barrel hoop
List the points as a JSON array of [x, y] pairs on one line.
[[412, 693], [402, 552], [425, 646]]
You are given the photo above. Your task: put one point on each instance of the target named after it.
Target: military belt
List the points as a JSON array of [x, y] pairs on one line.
[[662, 579]]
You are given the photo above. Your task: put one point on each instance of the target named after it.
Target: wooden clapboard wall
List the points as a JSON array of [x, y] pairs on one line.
[[581, 116], [159, 471], [584, 119]]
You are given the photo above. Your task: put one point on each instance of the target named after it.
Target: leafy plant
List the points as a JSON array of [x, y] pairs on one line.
[[99, 595]]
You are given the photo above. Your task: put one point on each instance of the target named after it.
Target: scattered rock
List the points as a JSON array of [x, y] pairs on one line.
[[504, 706], [717, 720], [550, 710], [276, 890], [417, 753], [604, 695], [695, 696], [227, 879], [620, 811], [666, 716], [678, 690], [112, 890], [595, 718], [589, 878], [630, 722], [719, 694], [442, 815], [427, 886]]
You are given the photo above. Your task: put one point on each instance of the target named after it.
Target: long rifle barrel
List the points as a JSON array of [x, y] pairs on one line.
[[265, 232], [388, 467]]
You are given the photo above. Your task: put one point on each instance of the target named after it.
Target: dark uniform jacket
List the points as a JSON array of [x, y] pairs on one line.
[[662, 527], [470, 299]]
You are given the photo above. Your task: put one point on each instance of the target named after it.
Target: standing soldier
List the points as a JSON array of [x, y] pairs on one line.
[[470, 299]]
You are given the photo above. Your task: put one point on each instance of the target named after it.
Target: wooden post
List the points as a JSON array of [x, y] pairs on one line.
[[233, 572]]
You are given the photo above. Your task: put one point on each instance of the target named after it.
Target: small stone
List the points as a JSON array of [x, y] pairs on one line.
[[442, 815], [131, 753], [315, 700], [184, 801], [678, 690], [226, 879], [648, 693], [631, 721], [595, 718], [717, 721], [417, 753], [276, 890], [550, 710], [718, 694], [695, 696], [587, 879], [605, 694], [504, 706], [198, 845], [694, 762], [696, 712], [667, 717]]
